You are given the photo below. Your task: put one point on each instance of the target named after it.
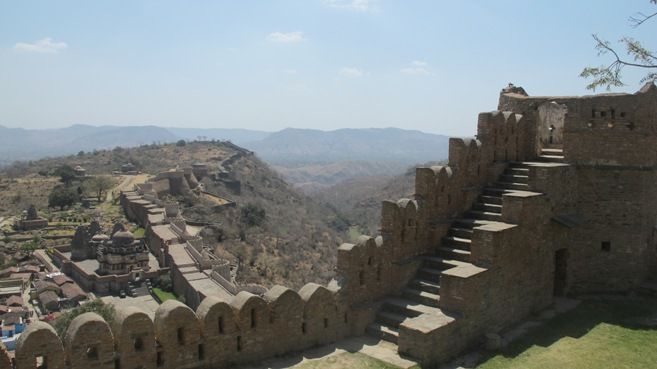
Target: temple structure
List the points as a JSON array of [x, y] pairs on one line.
[[30, 220], [121, 254]]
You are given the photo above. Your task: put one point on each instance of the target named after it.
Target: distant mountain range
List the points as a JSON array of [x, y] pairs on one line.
[[286, 147], [293, 146], [31, 144], [237, 136]]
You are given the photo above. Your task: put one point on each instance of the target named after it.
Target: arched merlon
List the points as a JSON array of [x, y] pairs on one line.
[[5, 362], [320, 314], [461, 150], [286, 311], [179, 333], [395, 214], [431, 178], [219, 329], [89, 343], [251, 311], [134, 338], [39, 343]]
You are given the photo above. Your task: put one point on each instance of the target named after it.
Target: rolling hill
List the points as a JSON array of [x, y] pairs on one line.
[[293, 146], [296, 241]]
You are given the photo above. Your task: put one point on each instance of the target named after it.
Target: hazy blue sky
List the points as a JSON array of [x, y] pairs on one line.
[[428, 65]]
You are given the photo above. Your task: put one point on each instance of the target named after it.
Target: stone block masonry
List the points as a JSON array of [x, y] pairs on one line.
[[555, 196]]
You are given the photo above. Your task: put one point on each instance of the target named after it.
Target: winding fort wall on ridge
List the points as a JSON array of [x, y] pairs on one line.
[[556, 195]]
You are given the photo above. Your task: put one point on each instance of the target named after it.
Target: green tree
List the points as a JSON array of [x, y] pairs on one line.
[[99, 185], [32, 245], [636, 56], [106, 311], [252, 215], [62, 197], [165, 283], [65, 173], [181, 143]]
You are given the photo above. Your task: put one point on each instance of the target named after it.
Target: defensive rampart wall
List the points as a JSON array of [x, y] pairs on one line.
[[217, 334]]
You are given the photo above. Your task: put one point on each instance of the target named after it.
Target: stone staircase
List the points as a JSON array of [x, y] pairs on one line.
[[422, 294], [552, 154]]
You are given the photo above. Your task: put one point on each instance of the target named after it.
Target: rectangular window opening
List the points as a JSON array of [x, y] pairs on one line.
[[160, 359], [201, 352], [41, 362], [92, 353], [605, 246], [181, 335], [138, 344]]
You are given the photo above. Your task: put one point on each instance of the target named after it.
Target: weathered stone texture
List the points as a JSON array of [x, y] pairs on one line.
[[89, 343], [579, 221]]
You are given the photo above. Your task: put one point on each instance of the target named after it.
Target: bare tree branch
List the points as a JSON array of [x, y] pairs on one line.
[[640, 18], [604, 47], [638, 57]]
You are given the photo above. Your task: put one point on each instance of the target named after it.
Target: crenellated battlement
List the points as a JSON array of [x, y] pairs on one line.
[[555, 195], [218, 333]]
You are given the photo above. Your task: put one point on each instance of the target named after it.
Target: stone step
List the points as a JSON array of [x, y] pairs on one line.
[[552, 151], [438, 263], [491, 199], [513, 186], [457, 242], [383, 332], [461, 232], [430, 274], [425, 285], [520, 166], [515, 178], [515, 169], [495, 191], [423, 297], [484, 215], [550, 158], [464, 223], [391, 318], [493, 208], [408, 307], [470, 223], [453, 253]]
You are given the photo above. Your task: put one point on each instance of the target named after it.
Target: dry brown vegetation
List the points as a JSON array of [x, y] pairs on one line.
[[17, 194], [295, 243]]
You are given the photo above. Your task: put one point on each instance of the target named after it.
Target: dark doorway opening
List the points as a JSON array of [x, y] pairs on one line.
[[560, 272]]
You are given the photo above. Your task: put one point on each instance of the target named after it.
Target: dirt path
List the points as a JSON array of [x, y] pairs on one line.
[[6, 220], [126, 184]]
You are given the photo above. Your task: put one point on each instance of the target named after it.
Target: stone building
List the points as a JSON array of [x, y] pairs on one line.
[[82, 247], [555, 196], [122, 254], [200, 170], [80, 171], [105, 264], [128, 168], [30, 220]]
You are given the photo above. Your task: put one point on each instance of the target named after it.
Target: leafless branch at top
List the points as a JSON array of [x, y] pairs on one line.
[[640, 18]]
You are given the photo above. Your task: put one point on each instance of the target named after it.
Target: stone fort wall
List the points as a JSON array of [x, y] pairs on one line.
[[609, 140], [598, 206]]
